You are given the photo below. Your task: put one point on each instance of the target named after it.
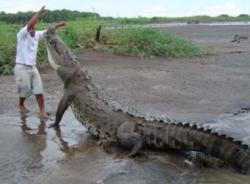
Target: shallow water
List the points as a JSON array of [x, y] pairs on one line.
[[177, 24], [33, 153]]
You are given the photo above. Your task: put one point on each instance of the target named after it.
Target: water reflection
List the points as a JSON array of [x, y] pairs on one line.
[[25, 128], [36, 142], [71, 147], [72, 151], [64, 145]]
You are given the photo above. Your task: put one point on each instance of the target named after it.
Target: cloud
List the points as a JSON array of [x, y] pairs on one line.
[[11, 6], [156, 10], [116, 8], [229, 7]]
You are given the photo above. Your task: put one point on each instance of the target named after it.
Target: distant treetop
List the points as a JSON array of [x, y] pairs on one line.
[[48, 16]]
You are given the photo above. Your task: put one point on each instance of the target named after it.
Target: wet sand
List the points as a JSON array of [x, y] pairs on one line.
[[199, 89]]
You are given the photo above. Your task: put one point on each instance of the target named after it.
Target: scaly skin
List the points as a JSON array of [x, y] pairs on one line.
[[112, 122]]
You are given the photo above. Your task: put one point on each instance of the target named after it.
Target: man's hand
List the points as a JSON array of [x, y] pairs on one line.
[[35, 18], [42, 10]]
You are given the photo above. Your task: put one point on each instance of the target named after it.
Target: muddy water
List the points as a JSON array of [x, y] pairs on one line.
[[33, 153]]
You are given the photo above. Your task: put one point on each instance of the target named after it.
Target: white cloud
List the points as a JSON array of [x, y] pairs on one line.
[[102, 8], [229, 7], [11, 6], [156, 10]]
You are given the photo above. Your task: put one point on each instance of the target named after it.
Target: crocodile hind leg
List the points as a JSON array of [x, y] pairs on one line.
[[127, 137], [106, 142]]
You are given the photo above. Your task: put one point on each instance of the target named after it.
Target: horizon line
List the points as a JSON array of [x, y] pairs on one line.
[[197, 15]]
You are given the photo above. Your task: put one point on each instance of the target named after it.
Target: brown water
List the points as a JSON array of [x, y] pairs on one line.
[[32, 153]]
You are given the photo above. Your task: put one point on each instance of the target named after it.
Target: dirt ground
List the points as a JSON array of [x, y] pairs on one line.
[[198, 89], [194, 89]]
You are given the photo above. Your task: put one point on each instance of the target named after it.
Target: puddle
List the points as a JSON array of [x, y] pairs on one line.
[[33, 153]]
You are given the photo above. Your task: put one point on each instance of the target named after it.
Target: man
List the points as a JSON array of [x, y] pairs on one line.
[[27, 77]]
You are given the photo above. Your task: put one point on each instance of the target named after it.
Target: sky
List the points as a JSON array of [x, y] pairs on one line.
[[135, 8]]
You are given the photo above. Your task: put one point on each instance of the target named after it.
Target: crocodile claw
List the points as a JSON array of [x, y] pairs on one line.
[[54, 125]]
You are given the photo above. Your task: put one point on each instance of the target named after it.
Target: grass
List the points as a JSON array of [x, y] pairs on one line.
[[7, 47], [147, 42], [144, 42]]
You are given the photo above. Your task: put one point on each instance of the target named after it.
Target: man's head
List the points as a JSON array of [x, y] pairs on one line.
[[32, 31]]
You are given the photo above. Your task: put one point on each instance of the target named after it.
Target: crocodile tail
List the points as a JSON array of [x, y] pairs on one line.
[[186, 137]]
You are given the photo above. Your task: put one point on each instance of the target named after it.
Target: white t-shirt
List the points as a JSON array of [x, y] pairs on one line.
[[27, 46]]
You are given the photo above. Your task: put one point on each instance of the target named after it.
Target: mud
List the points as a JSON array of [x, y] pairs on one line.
[[204, 89]]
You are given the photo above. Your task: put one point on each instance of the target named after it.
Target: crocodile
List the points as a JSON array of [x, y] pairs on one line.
[[113, 122]]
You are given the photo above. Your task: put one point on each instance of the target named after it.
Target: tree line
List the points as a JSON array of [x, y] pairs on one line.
[[49, 16], [58, 15]]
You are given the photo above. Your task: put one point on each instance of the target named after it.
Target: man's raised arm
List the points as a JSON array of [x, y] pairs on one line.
[[35, 18]]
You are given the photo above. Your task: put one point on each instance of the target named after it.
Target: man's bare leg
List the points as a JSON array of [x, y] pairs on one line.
[[21, 105], [40, 101]]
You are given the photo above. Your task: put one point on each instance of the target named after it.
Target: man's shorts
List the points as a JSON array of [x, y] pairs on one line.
[[28, 80]]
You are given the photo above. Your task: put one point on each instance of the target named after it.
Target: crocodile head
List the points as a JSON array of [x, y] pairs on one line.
[[59, 55]]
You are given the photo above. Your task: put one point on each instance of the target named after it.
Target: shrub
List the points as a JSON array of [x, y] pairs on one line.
[[146, 42]]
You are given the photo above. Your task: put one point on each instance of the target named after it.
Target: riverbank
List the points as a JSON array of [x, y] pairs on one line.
[[198, 89]]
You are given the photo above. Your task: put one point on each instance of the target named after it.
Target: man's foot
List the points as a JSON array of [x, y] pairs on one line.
[[23, 109], [43, 116]]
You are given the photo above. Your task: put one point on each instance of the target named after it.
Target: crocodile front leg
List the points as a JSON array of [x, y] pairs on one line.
[[62, 107], [127, 137]]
